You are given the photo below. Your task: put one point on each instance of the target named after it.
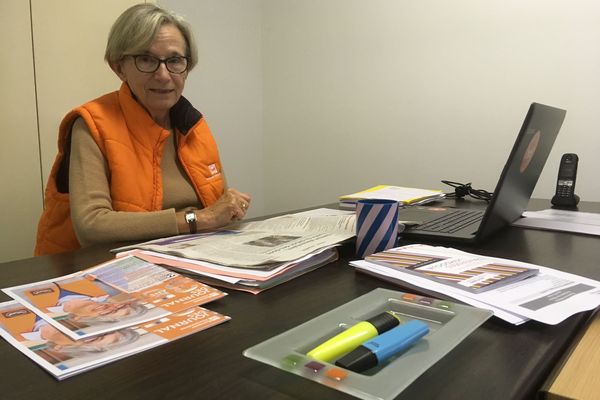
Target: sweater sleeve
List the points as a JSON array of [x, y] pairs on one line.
[[94, 219]]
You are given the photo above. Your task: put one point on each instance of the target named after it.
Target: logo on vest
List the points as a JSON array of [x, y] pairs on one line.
[[213, 169]]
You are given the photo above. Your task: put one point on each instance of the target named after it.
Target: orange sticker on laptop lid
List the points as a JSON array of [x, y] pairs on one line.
[[530, 151]]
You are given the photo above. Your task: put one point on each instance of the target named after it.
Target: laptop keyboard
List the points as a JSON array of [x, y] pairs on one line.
[[452, 222]]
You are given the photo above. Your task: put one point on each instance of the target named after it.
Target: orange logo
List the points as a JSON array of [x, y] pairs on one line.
[[530, 151]]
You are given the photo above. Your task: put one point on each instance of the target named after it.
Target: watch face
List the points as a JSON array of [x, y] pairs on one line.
[[190, 216]]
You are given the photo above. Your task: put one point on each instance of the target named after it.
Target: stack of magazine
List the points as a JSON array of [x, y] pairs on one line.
[[403, 195], [515, 291], [253, 256], [80, 321]]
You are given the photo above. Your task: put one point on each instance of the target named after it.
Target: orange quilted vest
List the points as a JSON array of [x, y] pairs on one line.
[[132, 144]]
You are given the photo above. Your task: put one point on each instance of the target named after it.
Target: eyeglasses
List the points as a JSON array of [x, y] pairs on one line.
[[149, 64]]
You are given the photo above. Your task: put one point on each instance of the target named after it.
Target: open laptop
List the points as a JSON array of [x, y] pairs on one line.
[[512, 193]]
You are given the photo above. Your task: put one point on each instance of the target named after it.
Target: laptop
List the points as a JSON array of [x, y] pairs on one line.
[[511, 196]]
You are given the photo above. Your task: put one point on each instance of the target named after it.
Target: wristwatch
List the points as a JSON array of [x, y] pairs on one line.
[[190, 218]]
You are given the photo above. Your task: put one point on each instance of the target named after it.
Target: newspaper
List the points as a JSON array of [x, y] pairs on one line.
[[117, 294], [256, 244], [64, 357], [550, 297]]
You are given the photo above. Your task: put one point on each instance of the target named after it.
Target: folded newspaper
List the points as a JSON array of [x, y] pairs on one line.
[[257, 244], [549, 296]]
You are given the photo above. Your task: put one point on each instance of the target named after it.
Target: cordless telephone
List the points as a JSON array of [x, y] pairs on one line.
[[565, 184]]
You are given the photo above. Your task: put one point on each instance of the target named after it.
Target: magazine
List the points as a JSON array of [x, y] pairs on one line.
[[64, 357], [468, 272], [120, 293]]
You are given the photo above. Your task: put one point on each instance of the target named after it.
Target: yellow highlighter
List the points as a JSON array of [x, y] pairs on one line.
[[354, 336]]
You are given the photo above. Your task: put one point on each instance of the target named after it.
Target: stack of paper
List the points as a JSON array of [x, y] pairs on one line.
[[511, 289], [254, 256], [561, 220], [403, 195], [87, 319]]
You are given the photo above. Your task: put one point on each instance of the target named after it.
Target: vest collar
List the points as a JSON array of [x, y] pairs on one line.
[[183, 115]]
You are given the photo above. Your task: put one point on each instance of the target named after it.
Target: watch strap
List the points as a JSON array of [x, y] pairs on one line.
[[190, 218]]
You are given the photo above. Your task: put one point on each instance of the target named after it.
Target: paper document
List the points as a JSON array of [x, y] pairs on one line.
[[254, 244], [468, 272], [403, 195], [561, 220], [253, 280], [550, 297]]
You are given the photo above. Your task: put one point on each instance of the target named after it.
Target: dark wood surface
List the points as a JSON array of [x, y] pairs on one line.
[[497, 361]]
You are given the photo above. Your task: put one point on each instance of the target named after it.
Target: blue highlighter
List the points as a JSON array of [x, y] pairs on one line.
[[382, 347]]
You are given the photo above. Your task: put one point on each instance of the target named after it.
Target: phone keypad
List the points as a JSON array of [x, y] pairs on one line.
[[564, 188]]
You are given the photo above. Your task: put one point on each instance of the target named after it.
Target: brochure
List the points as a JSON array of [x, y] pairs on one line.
[[466, 271], [120, 293], [64, 357], [550, 296]]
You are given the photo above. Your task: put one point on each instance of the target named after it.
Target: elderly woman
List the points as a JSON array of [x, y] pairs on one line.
[[138, 163]]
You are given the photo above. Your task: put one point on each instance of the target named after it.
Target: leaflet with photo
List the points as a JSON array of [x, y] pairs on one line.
[[64, 357], [120, 293], [550, 296], [468, 272]]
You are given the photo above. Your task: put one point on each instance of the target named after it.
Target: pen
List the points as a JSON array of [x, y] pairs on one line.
[[354, 336], [384, 346]]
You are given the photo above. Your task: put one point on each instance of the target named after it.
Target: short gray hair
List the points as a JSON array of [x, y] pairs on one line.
[[134, 30]]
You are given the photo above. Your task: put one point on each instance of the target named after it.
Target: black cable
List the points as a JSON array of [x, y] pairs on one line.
[[465, 189]]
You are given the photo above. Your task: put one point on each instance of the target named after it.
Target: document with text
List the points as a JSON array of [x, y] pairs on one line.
[[550, 296], [255, 244]]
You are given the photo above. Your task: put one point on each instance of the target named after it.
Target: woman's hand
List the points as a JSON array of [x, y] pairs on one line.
[[231, 206]]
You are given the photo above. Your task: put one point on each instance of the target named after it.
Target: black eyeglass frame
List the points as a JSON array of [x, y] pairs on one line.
[[160, 61]]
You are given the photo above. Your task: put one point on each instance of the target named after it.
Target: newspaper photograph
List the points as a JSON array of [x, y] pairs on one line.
[[254, 244]]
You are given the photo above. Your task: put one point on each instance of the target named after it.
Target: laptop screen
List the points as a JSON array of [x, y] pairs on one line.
[[523, 167]]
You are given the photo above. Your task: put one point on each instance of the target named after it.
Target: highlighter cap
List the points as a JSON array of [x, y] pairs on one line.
[[384, 322], [361, 359]]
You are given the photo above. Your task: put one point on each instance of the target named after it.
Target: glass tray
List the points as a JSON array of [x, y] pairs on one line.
[[449, 323]]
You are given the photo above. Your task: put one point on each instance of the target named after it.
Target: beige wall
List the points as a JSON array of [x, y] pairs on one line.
[[52, 58], [311, 99], [21, 200], [358, 93], [69, 42]]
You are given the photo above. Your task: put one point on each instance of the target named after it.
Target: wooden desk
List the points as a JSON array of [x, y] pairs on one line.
[[498, 361], [578, 377]]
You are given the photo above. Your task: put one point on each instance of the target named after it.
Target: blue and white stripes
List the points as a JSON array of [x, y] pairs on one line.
[[376, 226]]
